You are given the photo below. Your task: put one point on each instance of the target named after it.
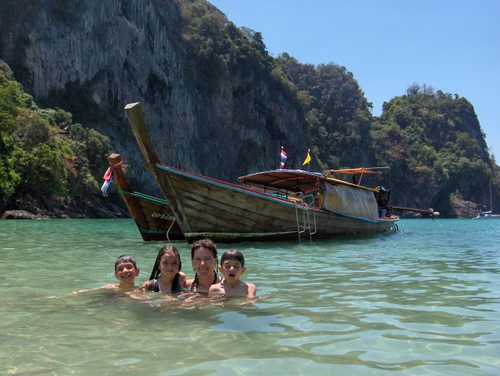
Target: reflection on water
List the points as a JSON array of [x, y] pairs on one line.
[[422, 301]]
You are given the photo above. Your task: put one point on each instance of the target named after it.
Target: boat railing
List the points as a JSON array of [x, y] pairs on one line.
[[308, 199]]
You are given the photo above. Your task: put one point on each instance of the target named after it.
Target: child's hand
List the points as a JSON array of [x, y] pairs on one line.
[[138, 294]]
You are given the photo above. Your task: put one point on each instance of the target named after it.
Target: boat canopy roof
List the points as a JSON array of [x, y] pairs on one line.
[[292, 180], [298, 180]]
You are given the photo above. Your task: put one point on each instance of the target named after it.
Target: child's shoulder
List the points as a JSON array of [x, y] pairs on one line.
[[216, 288], [217, 285]]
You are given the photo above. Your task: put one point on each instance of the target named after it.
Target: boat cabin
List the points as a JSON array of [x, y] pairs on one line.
[[320, 191]]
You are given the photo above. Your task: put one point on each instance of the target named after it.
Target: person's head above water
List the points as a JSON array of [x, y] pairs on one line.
[[124, 259], [126, 270], [203, 244], [204, 261], [167, 260]]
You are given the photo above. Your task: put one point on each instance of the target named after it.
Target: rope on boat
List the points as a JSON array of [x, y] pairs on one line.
[[169, 228]]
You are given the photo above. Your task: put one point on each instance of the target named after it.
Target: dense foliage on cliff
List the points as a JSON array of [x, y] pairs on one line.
[[44, 156], [434, 145], [337, 112], [218, 46]]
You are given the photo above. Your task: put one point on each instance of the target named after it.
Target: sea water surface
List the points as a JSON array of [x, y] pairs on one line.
[[422, 301]]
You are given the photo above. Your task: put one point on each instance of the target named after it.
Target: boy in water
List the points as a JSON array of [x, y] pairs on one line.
[[126, 271], [232, 266]]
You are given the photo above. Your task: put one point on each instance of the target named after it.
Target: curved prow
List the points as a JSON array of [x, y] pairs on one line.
[[140, 130], [115, 162]]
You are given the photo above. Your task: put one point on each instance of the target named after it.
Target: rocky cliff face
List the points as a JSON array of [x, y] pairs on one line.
[[105, 54]]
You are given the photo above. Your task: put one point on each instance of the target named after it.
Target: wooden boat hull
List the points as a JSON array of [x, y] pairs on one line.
[[152, 215], [156, 217], [206, 207]]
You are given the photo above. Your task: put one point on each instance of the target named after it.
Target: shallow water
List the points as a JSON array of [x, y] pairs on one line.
[[425, 300]]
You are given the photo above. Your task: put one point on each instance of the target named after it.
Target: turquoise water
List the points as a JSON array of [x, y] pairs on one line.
[[425, 300]]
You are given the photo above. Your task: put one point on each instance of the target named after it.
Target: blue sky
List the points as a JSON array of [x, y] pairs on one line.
[[451, 45]]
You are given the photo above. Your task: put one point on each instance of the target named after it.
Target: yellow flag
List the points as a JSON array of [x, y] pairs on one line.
[[308, 158]]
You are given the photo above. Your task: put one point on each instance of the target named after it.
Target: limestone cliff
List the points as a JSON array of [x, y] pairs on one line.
[[100, 55]]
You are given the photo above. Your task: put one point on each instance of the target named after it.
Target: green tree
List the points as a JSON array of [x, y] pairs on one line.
[[43, 154], [10, 102], [42, 171]]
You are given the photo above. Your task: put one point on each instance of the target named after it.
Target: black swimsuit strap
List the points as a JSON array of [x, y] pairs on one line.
[[176, 285]]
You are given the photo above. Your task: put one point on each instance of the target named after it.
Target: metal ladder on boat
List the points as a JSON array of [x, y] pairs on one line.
[[308, 221]]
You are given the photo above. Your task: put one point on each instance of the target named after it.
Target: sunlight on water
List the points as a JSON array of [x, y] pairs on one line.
[[425, 300]]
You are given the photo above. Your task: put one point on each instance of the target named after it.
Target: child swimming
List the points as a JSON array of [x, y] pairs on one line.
[[166, 275], [126, 271], [232, 267]]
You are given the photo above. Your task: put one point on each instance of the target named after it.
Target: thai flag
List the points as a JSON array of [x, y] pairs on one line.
[[282, 158]]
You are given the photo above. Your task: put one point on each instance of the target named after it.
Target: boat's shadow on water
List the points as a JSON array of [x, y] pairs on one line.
[[312, 241]]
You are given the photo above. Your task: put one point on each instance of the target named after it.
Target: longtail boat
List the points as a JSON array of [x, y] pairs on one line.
[[152, 215], [270, 205]]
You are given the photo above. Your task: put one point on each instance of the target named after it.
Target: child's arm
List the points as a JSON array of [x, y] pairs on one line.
[[138, 294], [251, 291], [105, 287], [187, 283], [146, 286], [182, 279], [83, 291]]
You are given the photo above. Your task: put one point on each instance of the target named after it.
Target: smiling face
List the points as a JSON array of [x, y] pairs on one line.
[[169, 265], [125, 273], [203, 262], [232, 270]]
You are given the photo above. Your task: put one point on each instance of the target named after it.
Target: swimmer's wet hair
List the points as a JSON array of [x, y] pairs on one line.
[[125, 258], [233, 254], [155, 273], [204, 243]]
